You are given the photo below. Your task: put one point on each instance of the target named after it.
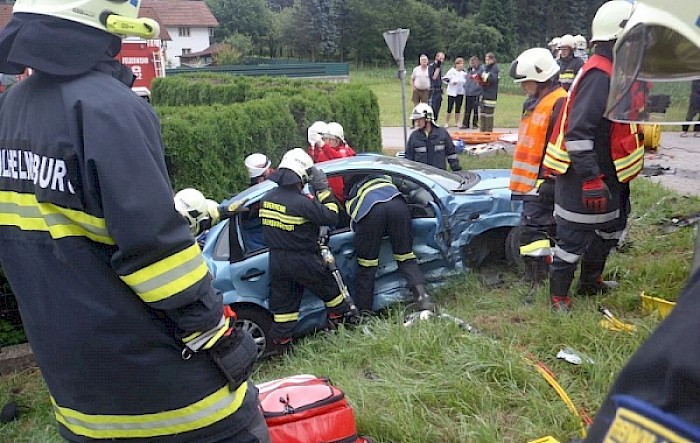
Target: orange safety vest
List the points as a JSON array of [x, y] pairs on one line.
[[532, 139], [626, 142]]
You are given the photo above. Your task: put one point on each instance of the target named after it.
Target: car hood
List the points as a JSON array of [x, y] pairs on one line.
[[490, 179]]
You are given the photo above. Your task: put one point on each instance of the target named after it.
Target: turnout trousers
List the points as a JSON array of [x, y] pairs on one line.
[[290, 273], [391, 218]]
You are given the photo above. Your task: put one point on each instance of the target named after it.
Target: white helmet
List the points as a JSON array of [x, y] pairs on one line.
[[315, 131], [192, 205], [535, 64], [554, 42], [257, 164], [334, 129], [580, 41], [423, 110], [609, 20], [659, 44], [567, 41], [114, 16], [297, 161]]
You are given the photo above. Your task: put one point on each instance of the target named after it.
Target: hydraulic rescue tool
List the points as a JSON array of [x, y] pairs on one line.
[[329, 261]]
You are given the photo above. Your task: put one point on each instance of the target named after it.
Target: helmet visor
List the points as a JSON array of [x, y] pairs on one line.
[[652, 74]]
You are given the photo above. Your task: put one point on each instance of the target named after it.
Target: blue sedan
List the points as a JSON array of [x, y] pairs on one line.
[[460, 220]]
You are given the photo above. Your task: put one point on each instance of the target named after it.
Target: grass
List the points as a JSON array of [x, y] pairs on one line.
[[387, 86], [434, 382]]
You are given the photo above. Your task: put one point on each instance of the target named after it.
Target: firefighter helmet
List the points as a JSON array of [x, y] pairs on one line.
[[192, 205], [257, 164], [554, 43], [114, 16], [580, 42], [297, 161], [609, 20], [334, 129], [659, 44], [315, 131], [567, 41], [535, 64], [423, 110]]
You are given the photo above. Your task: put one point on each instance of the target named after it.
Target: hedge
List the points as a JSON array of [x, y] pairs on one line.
[[211, 122]]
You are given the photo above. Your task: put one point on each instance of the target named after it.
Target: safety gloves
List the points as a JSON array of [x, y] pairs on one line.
[[546, 192], [595, 194], [317, 179], [227, 211]]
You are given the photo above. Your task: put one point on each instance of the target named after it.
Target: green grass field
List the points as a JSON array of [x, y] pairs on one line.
[[434, 382]]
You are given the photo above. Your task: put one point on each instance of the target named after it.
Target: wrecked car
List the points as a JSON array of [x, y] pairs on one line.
[[460, 221]]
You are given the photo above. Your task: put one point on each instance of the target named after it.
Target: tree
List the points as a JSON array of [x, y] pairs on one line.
[[247, 17], [500, 14]]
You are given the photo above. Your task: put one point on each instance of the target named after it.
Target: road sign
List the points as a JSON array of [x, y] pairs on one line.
[[396, 41]]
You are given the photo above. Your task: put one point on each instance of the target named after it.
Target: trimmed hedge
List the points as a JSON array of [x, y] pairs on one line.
[[211, 122]]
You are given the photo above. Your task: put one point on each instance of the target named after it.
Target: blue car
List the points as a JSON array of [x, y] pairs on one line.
[[460, 220]]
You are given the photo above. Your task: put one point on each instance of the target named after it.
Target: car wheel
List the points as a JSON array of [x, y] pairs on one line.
[[257, 322], [513, 257]]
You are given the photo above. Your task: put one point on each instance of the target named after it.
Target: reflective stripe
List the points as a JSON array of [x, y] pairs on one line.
[[337, 301], [332, 206], [169, 276], [588, 219], [368, 263], [566, 256], [628, 167], [207, 339], [284, 318], [452, 157], [421, 149], [489, 103], [287, 219], [439, 148], [323, 194], [354, 205], [610, 235], [26, 213], [526, 166], [404, 257], [201, 414], [539, 248], [579, 145]]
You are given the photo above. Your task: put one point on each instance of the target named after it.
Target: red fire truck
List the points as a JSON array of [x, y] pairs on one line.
[[145, 58]]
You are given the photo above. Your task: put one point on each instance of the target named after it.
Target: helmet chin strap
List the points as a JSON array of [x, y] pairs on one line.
[[139, 27]]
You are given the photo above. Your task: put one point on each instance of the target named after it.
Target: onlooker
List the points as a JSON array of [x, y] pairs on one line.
[[489, 79], [569, 64], [430, 143], [455, 79], [132, 339], [435, 73], [472, 92], [693, 109], [335, 146], [420, 82]]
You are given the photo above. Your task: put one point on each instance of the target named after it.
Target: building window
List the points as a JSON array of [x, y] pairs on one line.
[[211, 32], [183, 31], [186, 51]]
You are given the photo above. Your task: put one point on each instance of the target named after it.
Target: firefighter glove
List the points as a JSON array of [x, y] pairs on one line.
[[235, 354], [318, 179], [231, 209], [595, 194], [546, 192], [455, 166]]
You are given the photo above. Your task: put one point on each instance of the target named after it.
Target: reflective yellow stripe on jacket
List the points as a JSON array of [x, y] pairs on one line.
[[201, 414], [28, 214], [169, 276]]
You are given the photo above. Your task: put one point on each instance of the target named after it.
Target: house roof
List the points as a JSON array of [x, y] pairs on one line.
[[191, 13], [211, 50], [150, 12]]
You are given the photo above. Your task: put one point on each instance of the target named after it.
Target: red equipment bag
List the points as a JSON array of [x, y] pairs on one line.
[[307, 409]]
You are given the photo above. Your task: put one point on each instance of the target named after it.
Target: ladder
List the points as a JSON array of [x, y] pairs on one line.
[[158, 63]]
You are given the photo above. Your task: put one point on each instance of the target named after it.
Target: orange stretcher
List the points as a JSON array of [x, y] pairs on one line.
[[474, 138]]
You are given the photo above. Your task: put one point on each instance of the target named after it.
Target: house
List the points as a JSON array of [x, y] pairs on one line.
[[201, 58], [189, 23]]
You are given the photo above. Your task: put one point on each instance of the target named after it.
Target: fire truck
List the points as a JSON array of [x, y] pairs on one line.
[[145, 58]]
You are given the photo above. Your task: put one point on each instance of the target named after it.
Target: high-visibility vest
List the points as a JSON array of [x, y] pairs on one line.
[[532, 139], [626, 142]]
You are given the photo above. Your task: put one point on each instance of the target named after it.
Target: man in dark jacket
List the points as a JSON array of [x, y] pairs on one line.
[[569, 64], [291, 223], [472, 92], [489, 80], [429, 143], [116, 300], [435, 74]]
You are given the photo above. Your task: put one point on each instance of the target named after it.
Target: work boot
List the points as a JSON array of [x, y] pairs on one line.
[[422, 301], [599, 287], [279, 346], [561, 304], [537, 271]]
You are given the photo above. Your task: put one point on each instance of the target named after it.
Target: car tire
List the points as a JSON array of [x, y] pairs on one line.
[[258, 323], [513, 257]]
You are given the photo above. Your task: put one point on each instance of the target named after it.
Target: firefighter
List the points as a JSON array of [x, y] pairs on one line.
[[538, 74], [581, 50], [291, 222], [594, 159], [569, 64], [430, 143], [553, 47], [258, 167], [132, 339], [656, 396], [489, 97], [377, 208]]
